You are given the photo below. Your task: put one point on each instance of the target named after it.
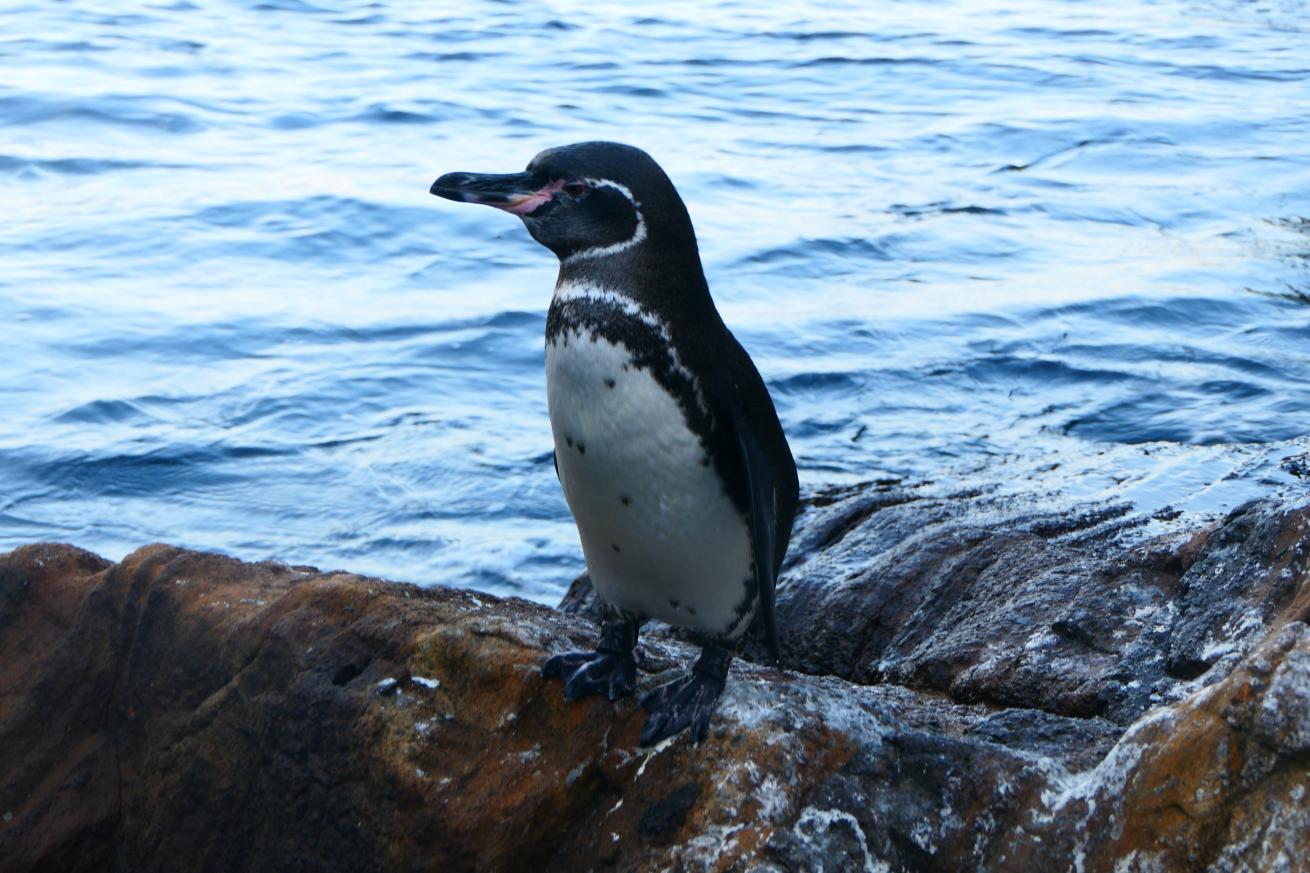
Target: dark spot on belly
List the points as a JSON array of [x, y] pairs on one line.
[[568, 439], [615, 547], [625, 500], [582, 449], [610, 383], [625, 368], [691, 609], [675, 604]]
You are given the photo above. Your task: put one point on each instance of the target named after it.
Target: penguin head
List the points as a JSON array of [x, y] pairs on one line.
[[583, 201]]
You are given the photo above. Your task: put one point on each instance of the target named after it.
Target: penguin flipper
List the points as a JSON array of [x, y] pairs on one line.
[[759, 490]]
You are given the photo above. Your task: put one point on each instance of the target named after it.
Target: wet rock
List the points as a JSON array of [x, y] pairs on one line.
[[1199, 784], [1245, 572], [186, 709]]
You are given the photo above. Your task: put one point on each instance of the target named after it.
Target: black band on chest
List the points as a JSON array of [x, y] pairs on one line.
[[646, 341], [649, 343]]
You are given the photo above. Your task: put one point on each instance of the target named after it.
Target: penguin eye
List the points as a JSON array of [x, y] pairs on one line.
[[576, 189]]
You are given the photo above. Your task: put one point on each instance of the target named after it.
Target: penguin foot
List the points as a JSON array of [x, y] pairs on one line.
[[610, 670], [688, 702], [588, 673]]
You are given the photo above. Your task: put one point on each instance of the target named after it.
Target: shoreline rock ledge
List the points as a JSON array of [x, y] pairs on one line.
[[966, 689]]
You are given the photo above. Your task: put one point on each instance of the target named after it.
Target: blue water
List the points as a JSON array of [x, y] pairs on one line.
[[956, 236]]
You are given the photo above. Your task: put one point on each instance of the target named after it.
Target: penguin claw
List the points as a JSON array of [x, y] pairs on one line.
[[588, 673]]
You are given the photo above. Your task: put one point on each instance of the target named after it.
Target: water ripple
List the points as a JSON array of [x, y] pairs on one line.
[[951, 234]]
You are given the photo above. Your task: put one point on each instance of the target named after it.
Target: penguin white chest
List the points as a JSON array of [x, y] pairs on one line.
[[660, 535]]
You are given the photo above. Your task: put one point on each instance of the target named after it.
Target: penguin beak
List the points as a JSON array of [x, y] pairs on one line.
[[519, 193]]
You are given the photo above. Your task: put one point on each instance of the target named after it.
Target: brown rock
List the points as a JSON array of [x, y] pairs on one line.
[[238, 716]]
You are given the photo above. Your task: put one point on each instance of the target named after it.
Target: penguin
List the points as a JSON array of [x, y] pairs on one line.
[[667, 444]]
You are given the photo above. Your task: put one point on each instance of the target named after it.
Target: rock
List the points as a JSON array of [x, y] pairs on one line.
[[972, 689], [1057, 610]]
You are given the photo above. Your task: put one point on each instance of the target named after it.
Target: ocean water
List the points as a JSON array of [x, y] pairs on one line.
[[959, 237]]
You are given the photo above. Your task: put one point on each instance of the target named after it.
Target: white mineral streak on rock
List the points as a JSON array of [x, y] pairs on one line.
[[813, 821], [659, 747]]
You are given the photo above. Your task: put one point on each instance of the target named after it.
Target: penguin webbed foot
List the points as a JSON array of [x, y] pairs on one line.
[[610, 670], [588, 673], [688, 702]]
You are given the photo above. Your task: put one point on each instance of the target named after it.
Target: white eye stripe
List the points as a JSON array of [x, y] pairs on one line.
[[637, 235], [602, 251], [617, 186]]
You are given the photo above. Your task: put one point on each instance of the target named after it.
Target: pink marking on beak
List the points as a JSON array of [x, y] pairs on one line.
[[526, 204]]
